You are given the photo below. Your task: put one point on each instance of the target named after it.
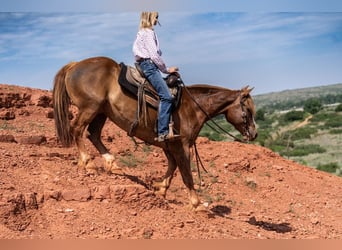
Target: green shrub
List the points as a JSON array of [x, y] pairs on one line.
[[313, 105], [300, 133], [339, 108], [322, 117], [213, 135], [334, 122], [277, 148], [260, 115], [263, 136], [294, 116], [329, 167], [335, 131], [303, 150], [280, 144]]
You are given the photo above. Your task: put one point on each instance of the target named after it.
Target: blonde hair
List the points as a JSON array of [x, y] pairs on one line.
[[148, 20]]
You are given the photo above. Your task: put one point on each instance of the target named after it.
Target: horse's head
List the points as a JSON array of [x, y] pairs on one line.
[[241, 115]]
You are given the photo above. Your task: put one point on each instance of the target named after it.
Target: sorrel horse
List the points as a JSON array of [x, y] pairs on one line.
[[92, 85]]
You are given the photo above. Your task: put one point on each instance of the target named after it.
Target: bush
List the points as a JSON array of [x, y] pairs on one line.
[[300, 133], [312, 105], [330, 167], [303, 150], [263, 136], [334, 122], [339, 108], [335, 131], [280, 144], [213, 136], [260, 115], [322, 116], [294, 116]]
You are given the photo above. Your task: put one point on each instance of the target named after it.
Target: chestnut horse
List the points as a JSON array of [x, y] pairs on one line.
[[92, 85]]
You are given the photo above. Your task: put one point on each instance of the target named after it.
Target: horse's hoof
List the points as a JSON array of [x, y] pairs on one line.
[[91, 172], [160, 192], [201, 209], [157, 184], [198, 209], [91, 169], [116, 171]]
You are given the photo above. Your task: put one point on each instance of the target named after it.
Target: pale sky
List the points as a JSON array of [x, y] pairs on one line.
[[274, 48]]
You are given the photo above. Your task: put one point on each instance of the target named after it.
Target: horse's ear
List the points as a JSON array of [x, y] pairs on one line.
[[246, 90]]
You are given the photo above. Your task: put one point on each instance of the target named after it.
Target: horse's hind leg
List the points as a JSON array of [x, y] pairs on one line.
[[82, 120], [94, 129], [162, 186]]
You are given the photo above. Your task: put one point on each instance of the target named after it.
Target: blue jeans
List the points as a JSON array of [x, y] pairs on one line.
[[154, 76]]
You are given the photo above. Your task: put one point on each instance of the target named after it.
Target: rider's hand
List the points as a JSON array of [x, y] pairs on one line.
[[172, 69]]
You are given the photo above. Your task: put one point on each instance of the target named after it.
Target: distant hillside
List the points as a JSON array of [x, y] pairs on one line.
[[294, 95]]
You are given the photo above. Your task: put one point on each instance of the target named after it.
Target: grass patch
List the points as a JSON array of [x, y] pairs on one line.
[[4, 125], [335, 131], [334, 122], [329, 167], [300, 133], [303, 150], [130, 160]]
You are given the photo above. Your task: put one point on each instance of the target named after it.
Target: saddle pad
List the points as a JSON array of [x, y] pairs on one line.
[[130, 79]]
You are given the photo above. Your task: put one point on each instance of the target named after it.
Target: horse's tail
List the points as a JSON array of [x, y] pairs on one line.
[[61, 103]]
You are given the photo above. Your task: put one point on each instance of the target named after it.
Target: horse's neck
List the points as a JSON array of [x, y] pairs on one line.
[[213, 100]]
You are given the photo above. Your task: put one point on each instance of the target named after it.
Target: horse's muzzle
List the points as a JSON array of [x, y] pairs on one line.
[[250, 136]]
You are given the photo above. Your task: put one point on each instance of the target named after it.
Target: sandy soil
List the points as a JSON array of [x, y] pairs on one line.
[[250, 192]]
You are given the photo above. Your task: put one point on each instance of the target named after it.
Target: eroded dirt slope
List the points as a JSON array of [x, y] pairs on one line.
[[250, 192]]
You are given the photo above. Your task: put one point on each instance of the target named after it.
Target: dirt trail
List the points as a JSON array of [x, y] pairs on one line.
[[303, 123], [250, 191]]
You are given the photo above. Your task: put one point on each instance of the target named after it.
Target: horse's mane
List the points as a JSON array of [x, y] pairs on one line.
[[212, 89], [207, 89]]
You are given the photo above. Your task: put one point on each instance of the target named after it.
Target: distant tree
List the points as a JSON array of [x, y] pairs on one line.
[[260, 115], [294, 116], [312, 105], [339, 108]]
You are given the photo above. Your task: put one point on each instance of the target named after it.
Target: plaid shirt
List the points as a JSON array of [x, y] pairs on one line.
[[146, 45]]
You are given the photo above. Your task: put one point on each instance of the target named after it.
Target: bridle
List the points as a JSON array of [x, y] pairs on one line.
[[244, 117], [218, 127]]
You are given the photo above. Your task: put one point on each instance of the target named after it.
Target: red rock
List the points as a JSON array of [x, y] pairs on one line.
[[7, 115], [80, 194], [35, 140], [7, 138]]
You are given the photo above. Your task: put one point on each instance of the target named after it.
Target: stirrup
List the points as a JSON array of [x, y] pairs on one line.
[[167, 137], [171, 136]]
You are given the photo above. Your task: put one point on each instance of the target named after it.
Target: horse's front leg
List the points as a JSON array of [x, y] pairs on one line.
[[161, 187], [194, 201], [183, 160]]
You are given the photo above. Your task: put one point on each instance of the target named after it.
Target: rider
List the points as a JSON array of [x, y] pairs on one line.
[[148, 55]]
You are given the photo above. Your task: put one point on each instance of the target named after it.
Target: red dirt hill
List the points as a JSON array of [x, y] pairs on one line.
[[250, 191]]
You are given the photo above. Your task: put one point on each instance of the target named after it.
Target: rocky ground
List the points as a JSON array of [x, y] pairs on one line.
[[250, 192]]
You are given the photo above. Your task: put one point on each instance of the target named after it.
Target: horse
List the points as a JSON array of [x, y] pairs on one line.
[[92, 86]]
